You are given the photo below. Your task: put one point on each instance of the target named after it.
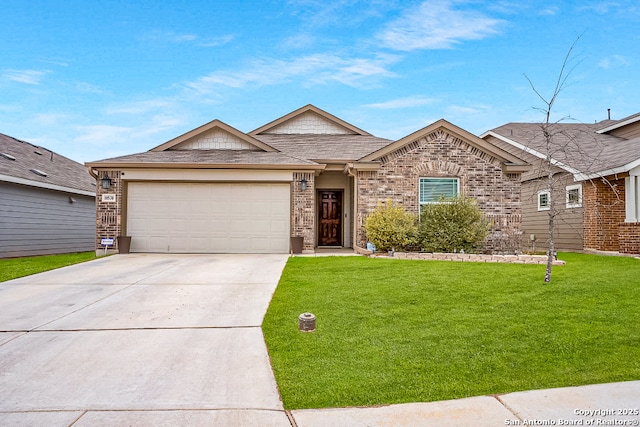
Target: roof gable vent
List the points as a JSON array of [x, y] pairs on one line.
[[7, 156]]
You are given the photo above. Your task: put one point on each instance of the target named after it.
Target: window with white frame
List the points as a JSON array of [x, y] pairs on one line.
[[544, 200], [574, 196], [432, 189]]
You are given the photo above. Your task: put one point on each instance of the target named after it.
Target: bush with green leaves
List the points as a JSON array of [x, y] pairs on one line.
[[390, 227], [452, 225]]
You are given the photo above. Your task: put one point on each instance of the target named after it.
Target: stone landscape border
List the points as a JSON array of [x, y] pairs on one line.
[[513, 259]]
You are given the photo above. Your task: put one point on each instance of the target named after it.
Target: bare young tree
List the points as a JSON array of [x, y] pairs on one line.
[[554, 140], [567, 152]]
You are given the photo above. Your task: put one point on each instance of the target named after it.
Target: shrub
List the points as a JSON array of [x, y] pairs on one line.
[[390, 227], [451, 225]]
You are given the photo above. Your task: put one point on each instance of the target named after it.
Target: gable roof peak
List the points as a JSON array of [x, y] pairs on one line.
[[443, 125], [338, 125], [209, 127], [616, 124]]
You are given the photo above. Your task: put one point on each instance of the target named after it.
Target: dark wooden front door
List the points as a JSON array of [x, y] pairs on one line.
[[330, 218]]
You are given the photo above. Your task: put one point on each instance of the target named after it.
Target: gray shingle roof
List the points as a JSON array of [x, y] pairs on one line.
[[58, 170], [576, 145], [205, 157], [325, 147]]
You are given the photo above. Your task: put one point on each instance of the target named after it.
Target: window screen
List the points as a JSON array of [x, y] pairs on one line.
[[431, 189], [544, 200], [574, 196]]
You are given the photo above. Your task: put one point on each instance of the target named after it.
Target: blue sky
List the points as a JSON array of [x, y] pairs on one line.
[[94, 79]]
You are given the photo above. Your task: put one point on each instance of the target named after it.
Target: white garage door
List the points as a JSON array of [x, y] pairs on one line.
[[208, 217]]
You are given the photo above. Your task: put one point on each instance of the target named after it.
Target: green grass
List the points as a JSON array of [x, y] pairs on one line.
[[12, 268], [393, 331]]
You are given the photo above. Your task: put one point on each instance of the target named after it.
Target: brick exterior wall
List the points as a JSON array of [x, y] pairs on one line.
[[629, 237], [108, 214], [303, 209], [440, 154], [604, 212]]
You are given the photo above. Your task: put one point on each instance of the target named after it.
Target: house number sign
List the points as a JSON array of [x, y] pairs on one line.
[[109, 198]]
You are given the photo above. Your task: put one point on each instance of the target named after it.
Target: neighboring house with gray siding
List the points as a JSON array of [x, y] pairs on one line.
[[596, 176], [47, 202]]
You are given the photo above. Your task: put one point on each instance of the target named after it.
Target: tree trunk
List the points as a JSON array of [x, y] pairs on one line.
[[552, 250]]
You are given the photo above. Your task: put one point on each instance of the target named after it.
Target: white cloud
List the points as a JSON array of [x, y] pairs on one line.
[[30, 77], [299, 41], [173, 37], [159, 124], [139, 107], [613, 62], [436, 25], [352, 72], [409, 102], [312, 69], [84, 87], [456, 110], [217, 41], [506, 7], [49, 119], [601, 7], [55, 61], [102, 135], [179, 38], [550, 11]]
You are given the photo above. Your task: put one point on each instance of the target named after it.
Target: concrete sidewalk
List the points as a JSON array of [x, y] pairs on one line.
[[597, 405], [601, 404]]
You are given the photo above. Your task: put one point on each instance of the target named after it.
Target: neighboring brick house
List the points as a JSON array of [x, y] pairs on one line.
[[596, 169], [307, 174], [47, 202]]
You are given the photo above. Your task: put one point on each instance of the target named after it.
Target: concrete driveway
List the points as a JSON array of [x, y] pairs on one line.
[[140, 339]]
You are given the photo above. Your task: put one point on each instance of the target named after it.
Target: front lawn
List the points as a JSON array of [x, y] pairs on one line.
[[393, 331], [12, 268]]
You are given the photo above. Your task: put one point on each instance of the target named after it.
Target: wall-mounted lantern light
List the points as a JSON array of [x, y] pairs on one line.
[[303, 184], [105, 182]]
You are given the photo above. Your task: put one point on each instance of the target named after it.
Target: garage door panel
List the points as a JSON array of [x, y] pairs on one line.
[[209, 217], [178, 227], [279, 247], [155, 208], [239, 227], [199, 244], [219, 242], [149, 244], [260, 244], [200, 205], [258, 228], [197, 224], [220, 228], [156, 227], [239, 245], [179, 244], [279, 227]]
